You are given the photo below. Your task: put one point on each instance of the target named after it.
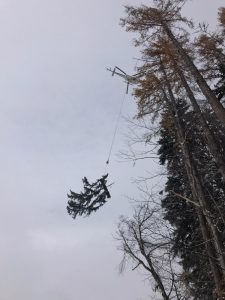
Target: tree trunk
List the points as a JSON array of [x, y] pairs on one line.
[[210, 138], [196, 190], [196, 184], [151, 268], [158, 280], [215, 251], [210, 250], [207, 92], [212, 241]]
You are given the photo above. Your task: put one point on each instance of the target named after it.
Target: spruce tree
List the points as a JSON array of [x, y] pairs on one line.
[[189, 244], [90, 200]]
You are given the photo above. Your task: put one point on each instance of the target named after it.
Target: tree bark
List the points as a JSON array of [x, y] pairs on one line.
[[196, 190], [207, 92], [214, 249], [196, 184], [151, 268], [210, 138], [157, 279]]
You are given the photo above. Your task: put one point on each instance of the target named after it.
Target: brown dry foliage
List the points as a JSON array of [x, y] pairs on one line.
[[211, 54], [141, 19], [208, 46], [221, 18], [148, 96]]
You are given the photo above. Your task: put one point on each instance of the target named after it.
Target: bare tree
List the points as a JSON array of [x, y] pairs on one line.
[[146, 241]]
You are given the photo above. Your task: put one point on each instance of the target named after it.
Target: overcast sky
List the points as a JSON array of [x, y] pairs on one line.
[[58, 111]]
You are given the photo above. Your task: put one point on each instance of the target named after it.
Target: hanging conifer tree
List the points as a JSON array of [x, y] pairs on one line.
[[91, 199]]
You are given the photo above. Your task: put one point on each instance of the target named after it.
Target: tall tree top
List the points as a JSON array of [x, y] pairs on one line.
[[221, 18], [143, 18]]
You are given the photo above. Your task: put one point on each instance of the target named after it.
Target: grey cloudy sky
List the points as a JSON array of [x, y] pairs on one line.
[[58, 110]]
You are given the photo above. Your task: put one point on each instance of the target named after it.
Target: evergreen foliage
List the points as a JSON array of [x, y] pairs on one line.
[[188, 242], [220, 85], [90, 200]]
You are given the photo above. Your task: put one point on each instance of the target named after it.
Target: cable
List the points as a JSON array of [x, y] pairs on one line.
[[116, 129]]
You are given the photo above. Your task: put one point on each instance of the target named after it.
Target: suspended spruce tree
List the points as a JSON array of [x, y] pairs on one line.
[[90, 200]]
